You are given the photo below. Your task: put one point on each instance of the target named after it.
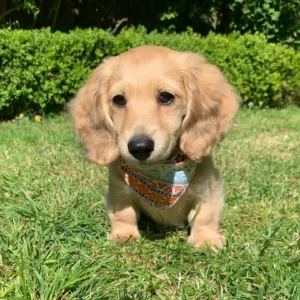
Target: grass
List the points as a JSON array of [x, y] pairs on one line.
[[53, 228]]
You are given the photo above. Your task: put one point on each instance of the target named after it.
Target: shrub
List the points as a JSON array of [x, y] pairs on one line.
[[41, 70]]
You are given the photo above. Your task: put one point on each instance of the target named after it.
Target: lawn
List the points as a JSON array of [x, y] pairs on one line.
[[53, 227]]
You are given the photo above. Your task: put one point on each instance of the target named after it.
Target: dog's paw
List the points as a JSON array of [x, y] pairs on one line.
[[201, 240], [123, 238]]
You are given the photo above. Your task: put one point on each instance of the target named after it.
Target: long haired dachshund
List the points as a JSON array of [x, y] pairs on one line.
[[153, 115]]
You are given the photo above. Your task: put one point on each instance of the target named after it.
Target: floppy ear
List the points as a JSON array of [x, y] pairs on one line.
[[211, 105], [93, 125]]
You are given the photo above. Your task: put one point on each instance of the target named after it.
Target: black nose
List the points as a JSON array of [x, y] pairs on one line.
[[140, 147]]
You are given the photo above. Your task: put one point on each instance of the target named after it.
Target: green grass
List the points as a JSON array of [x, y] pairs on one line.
[[53, 227]]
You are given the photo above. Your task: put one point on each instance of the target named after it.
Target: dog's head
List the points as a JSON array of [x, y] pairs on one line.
[[150, 102]]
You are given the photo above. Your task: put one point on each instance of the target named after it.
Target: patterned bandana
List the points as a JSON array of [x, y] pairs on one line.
[[160, 185]]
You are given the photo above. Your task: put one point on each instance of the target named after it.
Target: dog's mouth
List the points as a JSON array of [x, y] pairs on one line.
[[176, 157], [149, 162]]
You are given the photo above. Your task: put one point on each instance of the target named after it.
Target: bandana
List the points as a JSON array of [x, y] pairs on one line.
[[160, 185]]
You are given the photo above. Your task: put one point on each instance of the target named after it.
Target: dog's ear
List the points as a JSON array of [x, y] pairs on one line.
[[93, 125], [211, 105]]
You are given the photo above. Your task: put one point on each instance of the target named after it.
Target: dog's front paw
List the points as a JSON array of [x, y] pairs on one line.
[[123, 238], [200, 240]]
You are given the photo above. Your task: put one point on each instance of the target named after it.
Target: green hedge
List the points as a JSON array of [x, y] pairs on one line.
[[41, 70]]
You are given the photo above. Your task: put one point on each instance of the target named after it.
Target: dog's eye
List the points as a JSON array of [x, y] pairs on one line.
[[119, 100], [165, 98]]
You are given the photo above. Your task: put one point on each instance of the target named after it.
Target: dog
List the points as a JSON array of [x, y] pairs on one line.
[[153, 115]]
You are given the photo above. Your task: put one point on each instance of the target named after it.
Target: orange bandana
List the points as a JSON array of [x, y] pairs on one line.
[[160, 185]]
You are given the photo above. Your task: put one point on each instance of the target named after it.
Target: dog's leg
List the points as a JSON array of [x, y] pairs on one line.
[[204, 220], [123, 220]]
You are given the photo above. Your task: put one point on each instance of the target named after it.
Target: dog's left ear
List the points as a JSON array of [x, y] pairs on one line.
[[212, 103], [89, 109]]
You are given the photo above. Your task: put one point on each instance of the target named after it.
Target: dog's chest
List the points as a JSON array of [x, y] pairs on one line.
[[175, 216]]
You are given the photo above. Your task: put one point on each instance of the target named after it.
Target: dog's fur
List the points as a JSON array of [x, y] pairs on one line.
[[205, 104]]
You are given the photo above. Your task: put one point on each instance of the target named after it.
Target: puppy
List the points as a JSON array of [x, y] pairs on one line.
[[153, 115]]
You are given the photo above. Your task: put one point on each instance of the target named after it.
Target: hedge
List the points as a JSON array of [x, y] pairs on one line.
[[41, 70]]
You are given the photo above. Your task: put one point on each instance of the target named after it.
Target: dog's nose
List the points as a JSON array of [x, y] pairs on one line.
[[140, 147]]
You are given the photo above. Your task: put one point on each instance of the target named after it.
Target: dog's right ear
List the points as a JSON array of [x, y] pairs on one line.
[[93, 125]]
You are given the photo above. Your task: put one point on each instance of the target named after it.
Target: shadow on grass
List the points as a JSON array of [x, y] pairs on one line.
[[153, 231]]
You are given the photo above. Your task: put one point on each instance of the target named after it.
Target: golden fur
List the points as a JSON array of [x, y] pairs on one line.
[[205, 104]]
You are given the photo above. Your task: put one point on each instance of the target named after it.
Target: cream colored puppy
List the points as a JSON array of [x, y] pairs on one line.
[[153, 115]]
